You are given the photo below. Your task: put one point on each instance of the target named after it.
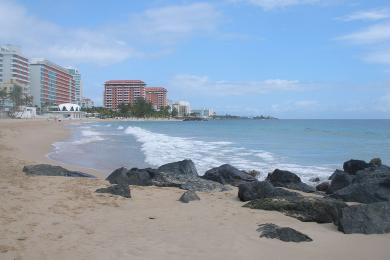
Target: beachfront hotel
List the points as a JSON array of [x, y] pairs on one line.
[[118, 92], [51, 84], [183, 108], [157, 96], [14, 66], [77, 84]]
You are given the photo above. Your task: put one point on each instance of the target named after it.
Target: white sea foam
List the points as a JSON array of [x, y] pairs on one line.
[[90, 133], [120, 127], [160, 149]]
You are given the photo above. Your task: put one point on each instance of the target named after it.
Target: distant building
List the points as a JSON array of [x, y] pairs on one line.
[[117, 92], [77, 84], [13, 65], [156, 96], [87, 103], [51, 84], [204, 112], [182, 107]]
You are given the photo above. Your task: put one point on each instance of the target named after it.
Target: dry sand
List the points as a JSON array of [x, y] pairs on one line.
[[63, 218]]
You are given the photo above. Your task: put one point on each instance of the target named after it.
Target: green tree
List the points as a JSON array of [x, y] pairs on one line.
[[123, 109], [174, 112], [142, 108], [3, 95], [16, 96]]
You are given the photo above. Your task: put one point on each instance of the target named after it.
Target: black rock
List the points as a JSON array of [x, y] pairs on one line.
[[352, 166], [289, 180], [371, 218], [116, 189], [306, 209], [188, 196], [261, 189], [285, 234], [185, 167], [315, 179], [368, 186], [254, 173], [339, 180], [50, 170], [140, 177], [375, 162], [227, 174], [323, 186]]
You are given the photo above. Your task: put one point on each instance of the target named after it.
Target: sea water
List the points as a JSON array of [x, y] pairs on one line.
[[310, 148]]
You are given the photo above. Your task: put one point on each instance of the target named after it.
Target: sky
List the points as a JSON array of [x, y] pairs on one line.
[[285, 58]]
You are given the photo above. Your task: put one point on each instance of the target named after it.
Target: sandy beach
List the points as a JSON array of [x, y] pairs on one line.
[[63, 218]]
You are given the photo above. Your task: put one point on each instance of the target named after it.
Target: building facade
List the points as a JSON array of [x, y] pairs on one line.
[[77, 84], [13, 65], [204, 112], [157, 96], [183, 108], [51, 84], [87, 103], [118, 92]]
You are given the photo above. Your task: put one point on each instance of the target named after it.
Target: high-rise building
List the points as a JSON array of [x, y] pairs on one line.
[[87, 103], [156, 96], [182, 108], [13, 65], [118, 92], [77, 83], [51, 84]]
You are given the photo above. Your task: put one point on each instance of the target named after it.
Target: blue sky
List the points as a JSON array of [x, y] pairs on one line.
[[286, 58]]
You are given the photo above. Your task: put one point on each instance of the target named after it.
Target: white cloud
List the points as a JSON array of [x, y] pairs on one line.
[[368, 15], [378, 33], [277, 4], [202, 84], [108, 44]]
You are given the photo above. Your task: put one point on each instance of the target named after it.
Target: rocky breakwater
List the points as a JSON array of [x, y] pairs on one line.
[[181, 174], [359, 181]]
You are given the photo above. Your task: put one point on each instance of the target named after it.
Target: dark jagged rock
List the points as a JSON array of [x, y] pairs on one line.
[[339, 180], [375, 162], [315, 179], [254, 173], [227, 174], [306, 209], [368, 186], [51, 170], [135, 176], [289, 180], [188, 196], [366, 218], [116, 189], [323, 186], [185, 167], [261, 189], [181, 174], [285, 234], [352, 166]]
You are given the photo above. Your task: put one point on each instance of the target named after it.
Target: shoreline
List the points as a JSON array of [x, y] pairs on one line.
[[45, 217]]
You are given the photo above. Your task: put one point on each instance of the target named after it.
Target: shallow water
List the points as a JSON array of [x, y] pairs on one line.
[[310, 148]]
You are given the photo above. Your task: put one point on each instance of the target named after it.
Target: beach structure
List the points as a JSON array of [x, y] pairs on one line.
[[67, 111], [183, 108], [51, 84], [26, 113], [77, 84], [157, 96]]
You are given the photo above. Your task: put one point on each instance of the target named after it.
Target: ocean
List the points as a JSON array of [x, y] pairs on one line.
[[309, 148]]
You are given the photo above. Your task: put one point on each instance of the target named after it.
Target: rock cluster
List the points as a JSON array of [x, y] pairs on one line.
[[51, 170], [285, 234]]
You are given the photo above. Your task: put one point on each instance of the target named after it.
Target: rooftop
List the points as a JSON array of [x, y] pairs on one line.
[[124, 82], [156, 89]]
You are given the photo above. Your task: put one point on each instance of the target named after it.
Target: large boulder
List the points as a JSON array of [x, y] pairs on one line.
[[185, 167], [189, 196], [339, 180], [261, 189], [134, 176], [116, 189], [286, 179], [306, 209], [352, 166], [371, 218], [285, 234], [227, 174], [51, 170], [368, 186], [323, 186]]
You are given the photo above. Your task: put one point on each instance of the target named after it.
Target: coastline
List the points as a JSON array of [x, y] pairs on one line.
[[54, 217]]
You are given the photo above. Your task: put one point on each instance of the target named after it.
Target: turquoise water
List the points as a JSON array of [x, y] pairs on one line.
[[310, 148]]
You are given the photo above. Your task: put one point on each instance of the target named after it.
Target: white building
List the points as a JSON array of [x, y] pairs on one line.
[[67, 111], [203, 112], [13, 65], [87, 103], [183, 108], [78, 84]]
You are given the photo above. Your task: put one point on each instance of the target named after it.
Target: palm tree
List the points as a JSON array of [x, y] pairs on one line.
[[3, 95], [27, 100], [16, 96]]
